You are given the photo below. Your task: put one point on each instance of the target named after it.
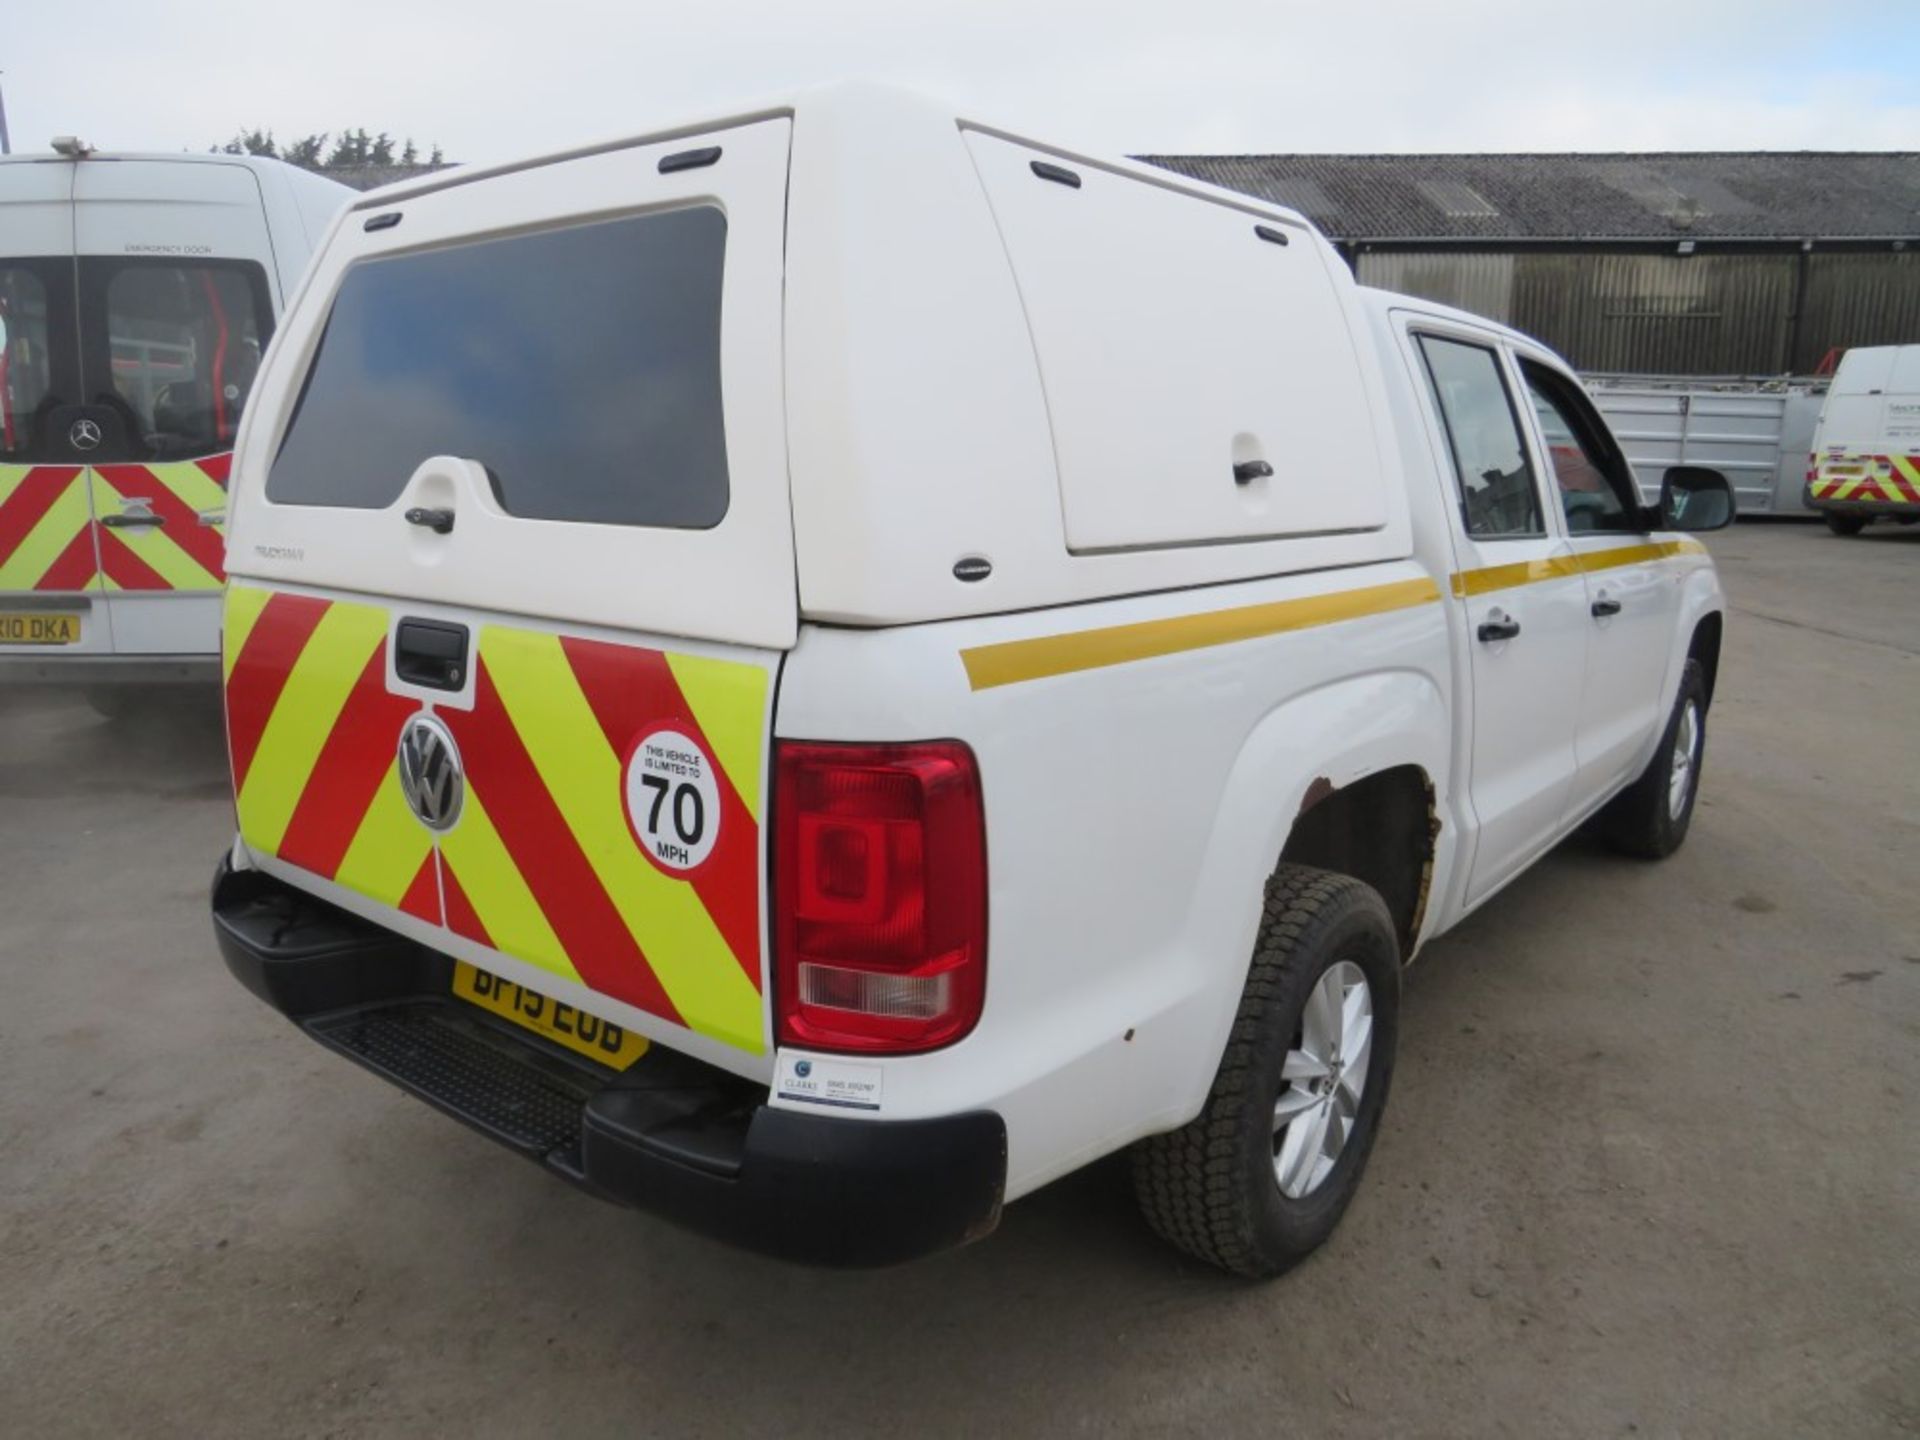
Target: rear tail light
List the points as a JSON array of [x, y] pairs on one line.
[[880, 895]]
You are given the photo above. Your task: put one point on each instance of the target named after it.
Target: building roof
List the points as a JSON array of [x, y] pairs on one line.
[[1706, 195]]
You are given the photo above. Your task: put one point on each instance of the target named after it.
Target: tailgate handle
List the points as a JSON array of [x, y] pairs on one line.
[[431, 653], [439, 520], [132, 519]]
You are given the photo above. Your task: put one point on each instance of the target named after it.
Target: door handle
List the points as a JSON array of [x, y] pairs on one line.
[[1498, 626], [440, 521], [1605, 606], [134, 519], [432, 653]]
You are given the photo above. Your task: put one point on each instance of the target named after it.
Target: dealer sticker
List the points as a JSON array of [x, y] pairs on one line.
[[673, 800], [840, 1083]]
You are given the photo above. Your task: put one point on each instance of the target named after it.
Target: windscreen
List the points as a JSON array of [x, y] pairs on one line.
[[580, 366]]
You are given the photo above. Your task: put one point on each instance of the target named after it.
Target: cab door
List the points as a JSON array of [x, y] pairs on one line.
[[1520, 599], [174, 278], [49, 572], [1632, 587]]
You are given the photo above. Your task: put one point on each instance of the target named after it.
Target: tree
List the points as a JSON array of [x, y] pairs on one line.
[[349, 149], [306, 151], [250, 142], [352, 149]]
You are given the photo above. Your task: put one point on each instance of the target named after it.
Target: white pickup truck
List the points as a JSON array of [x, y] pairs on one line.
[[818, 670]]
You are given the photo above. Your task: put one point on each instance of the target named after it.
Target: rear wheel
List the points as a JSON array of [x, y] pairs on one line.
[[1844, 524], [1258, 1180]]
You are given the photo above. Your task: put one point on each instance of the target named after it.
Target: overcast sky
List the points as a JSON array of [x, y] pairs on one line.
[[489, 79]]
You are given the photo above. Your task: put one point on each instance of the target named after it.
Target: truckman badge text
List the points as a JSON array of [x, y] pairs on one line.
[[430, 772]]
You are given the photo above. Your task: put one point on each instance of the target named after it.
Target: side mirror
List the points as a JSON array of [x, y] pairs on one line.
[[1693, 497]]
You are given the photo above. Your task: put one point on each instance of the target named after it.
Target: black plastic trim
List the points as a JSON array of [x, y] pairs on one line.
[[382, 222], [1059, 174], [431, 653], [1271, 235], [691, 1143], [690, 159]]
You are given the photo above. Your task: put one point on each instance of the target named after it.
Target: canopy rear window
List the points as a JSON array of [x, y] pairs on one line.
[[580, 366]]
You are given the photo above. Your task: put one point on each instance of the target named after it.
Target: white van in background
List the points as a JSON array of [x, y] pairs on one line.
[[1866, 451], [137, 294]]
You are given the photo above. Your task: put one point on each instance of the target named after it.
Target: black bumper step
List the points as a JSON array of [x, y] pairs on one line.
[[670, 1134], [422, 1049]]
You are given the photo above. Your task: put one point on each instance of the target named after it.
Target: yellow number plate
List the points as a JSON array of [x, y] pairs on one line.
[[568, 1025], [30, 628]]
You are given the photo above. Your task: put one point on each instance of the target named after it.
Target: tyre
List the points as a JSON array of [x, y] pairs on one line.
[[1650, 817], [1844, 524], [1258, 1180]]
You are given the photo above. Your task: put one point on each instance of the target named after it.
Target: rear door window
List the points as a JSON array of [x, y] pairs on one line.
[[580, 366], [38, 368], [1498, 497], [173, 349]]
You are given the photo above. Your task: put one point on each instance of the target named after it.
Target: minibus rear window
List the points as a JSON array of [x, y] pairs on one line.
[[580, 366]]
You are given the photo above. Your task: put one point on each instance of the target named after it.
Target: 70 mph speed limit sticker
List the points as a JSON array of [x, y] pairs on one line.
[[673, 800]]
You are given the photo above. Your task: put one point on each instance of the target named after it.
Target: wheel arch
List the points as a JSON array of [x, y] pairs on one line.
[[1705, 647], [1308, 787]]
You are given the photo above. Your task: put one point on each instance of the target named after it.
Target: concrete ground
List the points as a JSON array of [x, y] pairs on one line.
[[1652, 1164]]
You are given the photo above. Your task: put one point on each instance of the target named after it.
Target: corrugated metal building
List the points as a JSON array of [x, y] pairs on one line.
[[1678, 264]]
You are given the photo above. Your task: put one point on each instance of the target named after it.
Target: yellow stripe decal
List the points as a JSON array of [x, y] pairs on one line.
[[729, 700], [387, 848], [1505, 577], [243, 606], [582, 774], [303, 717], [1013, 661], [493, 885], [50, 535]]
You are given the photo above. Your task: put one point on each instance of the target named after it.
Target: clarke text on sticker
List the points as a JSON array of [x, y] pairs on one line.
[[828, 1082]]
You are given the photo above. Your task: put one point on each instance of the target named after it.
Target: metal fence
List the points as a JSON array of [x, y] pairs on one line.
[[1757, 433]]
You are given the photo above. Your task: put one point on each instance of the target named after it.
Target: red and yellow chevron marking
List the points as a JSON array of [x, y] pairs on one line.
[[46, 529], [312, 732], [1881, 479], [182, 554], [542, 864], [51, 538]]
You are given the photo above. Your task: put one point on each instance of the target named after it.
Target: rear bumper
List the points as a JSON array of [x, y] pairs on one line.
[[51, 667], [1888, 509], [670, 1135]]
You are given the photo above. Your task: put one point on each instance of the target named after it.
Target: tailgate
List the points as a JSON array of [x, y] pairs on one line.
[[513, 574]]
